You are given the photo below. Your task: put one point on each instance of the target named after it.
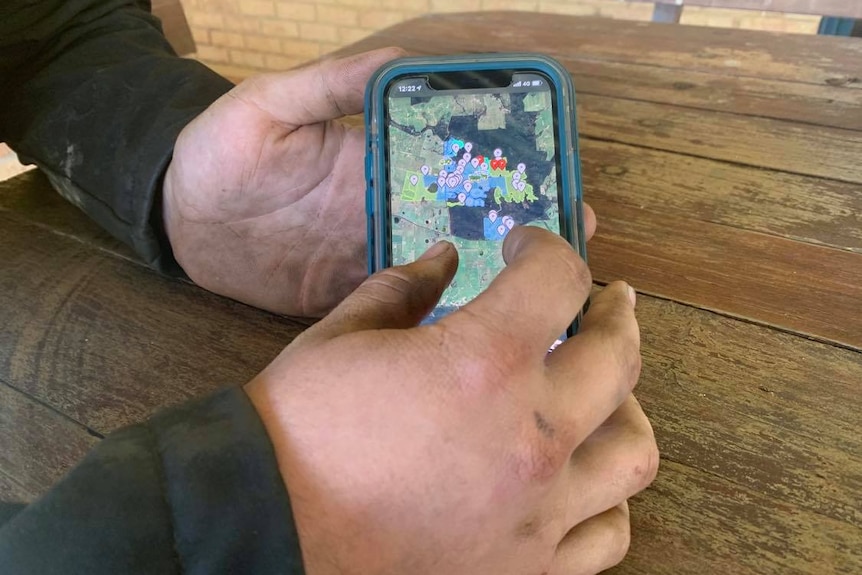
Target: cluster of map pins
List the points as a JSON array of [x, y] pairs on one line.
[[506, 222], [451, 179]]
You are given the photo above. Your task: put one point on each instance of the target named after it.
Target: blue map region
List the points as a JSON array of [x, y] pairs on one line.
[[463, 178], [496, 228], [472, 186]]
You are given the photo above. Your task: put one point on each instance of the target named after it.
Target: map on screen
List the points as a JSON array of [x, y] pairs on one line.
[[467, 168]]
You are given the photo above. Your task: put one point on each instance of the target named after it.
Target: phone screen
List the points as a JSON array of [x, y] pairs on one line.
[[467, 165]]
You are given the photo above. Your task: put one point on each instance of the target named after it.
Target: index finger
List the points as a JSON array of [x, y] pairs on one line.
[[536, 296]]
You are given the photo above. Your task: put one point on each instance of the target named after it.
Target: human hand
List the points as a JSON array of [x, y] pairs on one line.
[[263, 200], [463, 447]]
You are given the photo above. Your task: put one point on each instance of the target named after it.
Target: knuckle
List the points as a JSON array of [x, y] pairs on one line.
[[475, 367], [537, 462], [575, 268], [646, 463], [628, 359]]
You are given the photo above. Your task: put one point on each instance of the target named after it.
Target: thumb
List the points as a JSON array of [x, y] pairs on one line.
[[394, 298], [324, 90]]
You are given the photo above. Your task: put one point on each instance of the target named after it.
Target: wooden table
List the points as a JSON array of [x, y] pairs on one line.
[[726, 171]]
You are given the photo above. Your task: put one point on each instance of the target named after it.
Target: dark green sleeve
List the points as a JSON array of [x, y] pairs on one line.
[[91, 92], [194, 490]]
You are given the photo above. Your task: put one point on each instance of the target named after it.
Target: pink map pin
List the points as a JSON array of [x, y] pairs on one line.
[[498, 153], [516, 176], [441, 181], [462, 162], [468, 186], [414, 179], [509, 222], [455, 148], [425, 170], [459, 170], [462, 197], [520, 186], [522, 167], [501, 229], [442, 173], [474, 162], [452, 181], [492, 215], [468, 146], [466, 157]]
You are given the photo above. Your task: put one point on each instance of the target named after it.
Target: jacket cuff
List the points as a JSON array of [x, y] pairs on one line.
[[229, 506], [194, 490]]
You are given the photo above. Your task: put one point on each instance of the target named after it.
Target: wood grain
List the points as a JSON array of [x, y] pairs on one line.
[[805, 103], [108, 342], [801, 208], [803, 288], [820, 60], [696, 125], [821, 104], [37, 445], [830, 153], [770, 412], [691, 523], [761, 467]]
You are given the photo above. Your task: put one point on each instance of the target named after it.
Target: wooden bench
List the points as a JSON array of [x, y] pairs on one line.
[[840, 17]]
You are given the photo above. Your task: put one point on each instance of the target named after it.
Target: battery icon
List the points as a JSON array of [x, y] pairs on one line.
[[537, 83]]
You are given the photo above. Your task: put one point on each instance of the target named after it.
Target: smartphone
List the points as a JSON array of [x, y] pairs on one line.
[[463, 148]]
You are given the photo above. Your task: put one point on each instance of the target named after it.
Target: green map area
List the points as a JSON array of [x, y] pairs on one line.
[[467, 169]]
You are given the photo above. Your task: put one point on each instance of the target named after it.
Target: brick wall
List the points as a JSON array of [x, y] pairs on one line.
[[241, 37]]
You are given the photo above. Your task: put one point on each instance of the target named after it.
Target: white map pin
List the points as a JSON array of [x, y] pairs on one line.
[[521, 186], [425, 170], [474, 162], [522, 167], [442, 173], [498, 153], [414, 179], [462, 197], [509, 222], [501, 229], [462, 162], [441, 181], [455, 148], [492, 215], [468, 146], [516, 176], [452, 181], [468, 186], [466, 157]]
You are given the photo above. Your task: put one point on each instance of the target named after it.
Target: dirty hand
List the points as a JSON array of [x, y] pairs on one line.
[[263, 200], [463, 447]]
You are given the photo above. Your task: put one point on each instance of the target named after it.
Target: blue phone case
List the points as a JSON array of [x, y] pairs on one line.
[[375, 158]]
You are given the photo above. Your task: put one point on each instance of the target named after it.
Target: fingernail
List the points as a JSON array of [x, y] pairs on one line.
[[633, 296], [436, 250]]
